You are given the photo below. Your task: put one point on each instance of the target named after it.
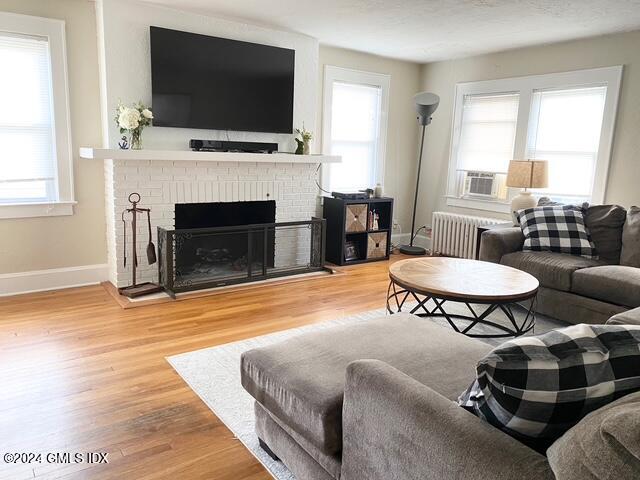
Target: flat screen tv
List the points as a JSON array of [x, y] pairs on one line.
[[216, 83]]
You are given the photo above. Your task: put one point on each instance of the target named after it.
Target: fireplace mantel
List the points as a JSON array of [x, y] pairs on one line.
[[189, 155]]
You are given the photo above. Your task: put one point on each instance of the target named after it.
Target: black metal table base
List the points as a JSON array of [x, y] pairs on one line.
[[397, 300]]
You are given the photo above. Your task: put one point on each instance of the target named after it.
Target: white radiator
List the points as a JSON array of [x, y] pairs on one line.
[[457, 235]]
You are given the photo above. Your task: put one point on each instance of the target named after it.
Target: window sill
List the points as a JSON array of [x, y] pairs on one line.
[[26, 210], [478, 204]]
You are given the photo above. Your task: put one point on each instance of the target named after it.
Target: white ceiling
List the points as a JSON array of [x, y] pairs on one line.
[[428, 30]]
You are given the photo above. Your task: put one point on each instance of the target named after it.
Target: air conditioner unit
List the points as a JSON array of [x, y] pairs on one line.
[[481, 184]]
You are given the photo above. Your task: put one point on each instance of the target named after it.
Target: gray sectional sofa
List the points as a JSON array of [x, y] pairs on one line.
[[576, 289], [375, 401]]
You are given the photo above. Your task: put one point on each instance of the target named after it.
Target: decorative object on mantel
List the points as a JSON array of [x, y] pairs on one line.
[[526, 174], [124, 143], [135, 289], [132, 120], [303, 142]]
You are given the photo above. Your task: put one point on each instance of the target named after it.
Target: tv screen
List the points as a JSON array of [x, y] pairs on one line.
[[216, 83]]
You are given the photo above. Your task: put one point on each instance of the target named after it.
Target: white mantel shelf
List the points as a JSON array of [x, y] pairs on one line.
[[189, 155]]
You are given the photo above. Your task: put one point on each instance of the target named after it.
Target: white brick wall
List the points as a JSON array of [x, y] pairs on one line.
[[162, 184]]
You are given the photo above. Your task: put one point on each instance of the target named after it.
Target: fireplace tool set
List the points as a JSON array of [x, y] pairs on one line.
[[137, 289]]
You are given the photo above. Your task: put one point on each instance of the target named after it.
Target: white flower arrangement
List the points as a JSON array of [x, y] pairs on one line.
[[132, 120]]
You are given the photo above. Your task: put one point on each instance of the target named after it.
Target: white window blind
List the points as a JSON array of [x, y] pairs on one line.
[[27, 145], [564, 129], [355, 131], [487, 132]]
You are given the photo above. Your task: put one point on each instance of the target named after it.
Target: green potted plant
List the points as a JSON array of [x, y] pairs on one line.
[[303, 139]]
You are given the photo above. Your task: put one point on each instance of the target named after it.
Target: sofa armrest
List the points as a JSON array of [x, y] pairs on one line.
[[495, 243], [397, 428], [630, 317]]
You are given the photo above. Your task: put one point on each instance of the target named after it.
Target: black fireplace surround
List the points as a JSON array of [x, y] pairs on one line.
[[224, 243]]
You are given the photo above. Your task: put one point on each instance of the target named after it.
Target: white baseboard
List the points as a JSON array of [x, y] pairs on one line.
[[53, 279], [404, 238]]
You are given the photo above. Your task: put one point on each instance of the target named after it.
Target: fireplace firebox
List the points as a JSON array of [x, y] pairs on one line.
[[221, 254], [218, 244]]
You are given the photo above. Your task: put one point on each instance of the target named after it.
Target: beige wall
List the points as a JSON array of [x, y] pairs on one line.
[[402, 130], [620, 49], [53, 242]]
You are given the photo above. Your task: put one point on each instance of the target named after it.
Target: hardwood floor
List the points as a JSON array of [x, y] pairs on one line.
[[81, 374]]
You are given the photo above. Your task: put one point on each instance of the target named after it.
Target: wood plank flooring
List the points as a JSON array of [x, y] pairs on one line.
[[81, 374]]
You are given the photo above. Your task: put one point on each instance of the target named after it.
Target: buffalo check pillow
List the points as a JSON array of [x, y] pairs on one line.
[[558, 228], [536, 388]]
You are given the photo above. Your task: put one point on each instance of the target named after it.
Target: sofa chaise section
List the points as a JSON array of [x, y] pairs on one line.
[[298, 385], [398, 428]]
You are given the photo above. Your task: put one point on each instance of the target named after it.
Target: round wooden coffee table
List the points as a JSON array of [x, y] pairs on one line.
[[482, 288]]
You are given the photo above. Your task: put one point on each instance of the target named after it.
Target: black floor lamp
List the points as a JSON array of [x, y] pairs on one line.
[[426, 104]]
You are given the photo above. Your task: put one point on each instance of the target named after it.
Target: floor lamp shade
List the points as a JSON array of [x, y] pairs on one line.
[[526, 174], [426, 103]]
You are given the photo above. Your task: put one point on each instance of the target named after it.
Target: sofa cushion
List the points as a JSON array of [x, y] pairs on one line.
[[628, 317], [553, 270], [603, 445], [301, 380], [559, 229], [536, 388], [610, 283], [630, 255], [605, 223]]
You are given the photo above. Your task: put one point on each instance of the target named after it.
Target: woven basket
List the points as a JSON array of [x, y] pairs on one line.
[[356, 218], [377, 245]]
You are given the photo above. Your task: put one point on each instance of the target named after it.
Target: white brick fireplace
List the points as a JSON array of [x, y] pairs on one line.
[[167, 174], [289, 180]]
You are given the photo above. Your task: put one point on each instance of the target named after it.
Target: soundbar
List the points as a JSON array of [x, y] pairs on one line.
[[228, 146]]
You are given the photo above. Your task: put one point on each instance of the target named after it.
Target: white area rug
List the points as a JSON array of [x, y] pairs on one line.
[[214, 374]]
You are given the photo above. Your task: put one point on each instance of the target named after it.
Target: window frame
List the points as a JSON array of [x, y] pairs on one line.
[[525, 87], [54, 31], [333, 74]]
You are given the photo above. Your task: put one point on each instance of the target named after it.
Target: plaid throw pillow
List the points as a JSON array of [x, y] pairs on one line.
[[558, 229], [536, 388]]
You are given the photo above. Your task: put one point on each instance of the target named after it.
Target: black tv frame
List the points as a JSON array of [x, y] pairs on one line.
[[252, 124]]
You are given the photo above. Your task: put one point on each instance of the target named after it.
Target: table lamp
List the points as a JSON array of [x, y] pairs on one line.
[[526, 174]]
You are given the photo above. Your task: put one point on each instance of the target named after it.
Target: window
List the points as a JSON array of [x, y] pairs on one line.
[[355, 111], [565, 130], [35, 150], [565, 118], [487, 132]]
